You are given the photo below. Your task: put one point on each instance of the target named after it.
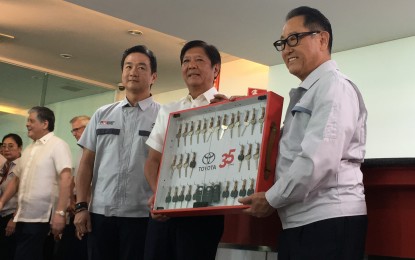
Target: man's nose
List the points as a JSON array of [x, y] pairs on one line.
[[192, 64]]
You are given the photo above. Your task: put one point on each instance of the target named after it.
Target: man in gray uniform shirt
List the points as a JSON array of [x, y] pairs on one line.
[[319, 192], [114, 153]]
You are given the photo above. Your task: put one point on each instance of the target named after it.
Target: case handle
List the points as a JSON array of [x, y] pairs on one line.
[[271, 142]]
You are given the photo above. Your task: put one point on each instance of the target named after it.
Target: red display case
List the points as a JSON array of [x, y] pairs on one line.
[[215, 154]]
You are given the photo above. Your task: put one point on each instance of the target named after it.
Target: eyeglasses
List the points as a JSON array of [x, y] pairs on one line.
[[292, 40], [77, 129], [9, 146]]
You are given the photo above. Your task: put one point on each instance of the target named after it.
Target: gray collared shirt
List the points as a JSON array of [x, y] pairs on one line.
[[117, 134], [322, 145]]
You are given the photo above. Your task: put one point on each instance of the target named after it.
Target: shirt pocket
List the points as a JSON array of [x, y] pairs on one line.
[[300, 122], [142, 139], [108, 131], [144, 133], [298, 108], [107, 138]]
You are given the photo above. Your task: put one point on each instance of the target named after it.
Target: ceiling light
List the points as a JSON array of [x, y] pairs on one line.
[[6, 36], [65, 55], [13, 110], [135, 32]]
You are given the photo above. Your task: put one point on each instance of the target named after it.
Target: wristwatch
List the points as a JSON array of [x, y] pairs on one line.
[[60, 213]]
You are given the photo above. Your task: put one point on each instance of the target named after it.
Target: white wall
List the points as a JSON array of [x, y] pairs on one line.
[[384, 74]]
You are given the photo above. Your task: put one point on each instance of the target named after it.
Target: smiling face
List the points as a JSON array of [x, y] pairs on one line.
[[35, 128], [310, 52], [197, 71]]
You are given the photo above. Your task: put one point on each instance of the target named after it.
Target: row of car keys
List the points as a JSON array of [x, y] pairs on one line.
[[203, 193], [183, 164], [247, 157], [179, 164], [220, 126], [207, 193], [178, 197], [234, 193]]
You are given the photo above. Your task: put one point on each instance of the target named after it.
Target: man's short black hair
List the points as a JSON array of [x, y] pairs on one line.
[[45, 114], [144, 50], [211, 51], [314, 20]]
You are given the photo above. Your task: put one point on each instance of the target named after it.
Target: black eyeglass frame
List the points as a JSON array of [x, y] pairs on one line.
[[297, 37], [77, 129]]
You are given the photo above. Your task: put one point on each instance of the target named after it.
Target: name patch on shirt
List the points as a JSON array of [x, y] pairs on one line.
[[108, 131], [106, 122], [143, 133]]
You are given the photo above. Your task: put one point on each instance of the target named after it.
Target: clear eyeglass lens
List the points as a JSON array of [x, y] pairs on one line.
[[10, 147], [292, 40]]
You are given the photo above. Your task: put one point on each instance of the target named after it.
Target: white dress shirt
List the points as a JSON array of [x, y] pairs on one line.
[[38, 170]]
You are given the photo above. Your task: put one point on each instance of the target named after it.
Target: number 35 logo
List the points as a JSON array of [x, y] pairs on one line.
[[227, 158]]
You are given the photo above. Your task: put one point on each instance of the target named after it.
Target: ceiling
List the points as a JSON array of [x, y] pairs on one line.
[[97, 35]]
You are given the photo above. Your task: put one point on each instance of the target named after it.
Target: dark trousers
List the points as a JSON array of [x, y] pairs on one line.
[[30, 238], [184, 238], [70, 247], [330, 239], [116, 238], [7, 244], [50, 247]]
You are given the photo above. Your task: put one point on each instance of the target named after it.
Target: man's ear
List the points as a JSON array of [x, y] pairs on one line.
[[45, 124], [324, 40], [153, 78], [216, 70]]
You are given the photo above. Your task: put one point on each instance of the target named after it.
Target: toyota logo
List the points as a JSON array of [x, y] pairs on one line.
[[208, 158]]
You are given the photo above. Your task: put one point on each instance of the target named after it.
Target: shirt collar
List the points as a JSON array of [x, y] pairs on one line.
[[316, 74], [14, 162], [44, 139], [124, 103], [208, 95], [143, 104]]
